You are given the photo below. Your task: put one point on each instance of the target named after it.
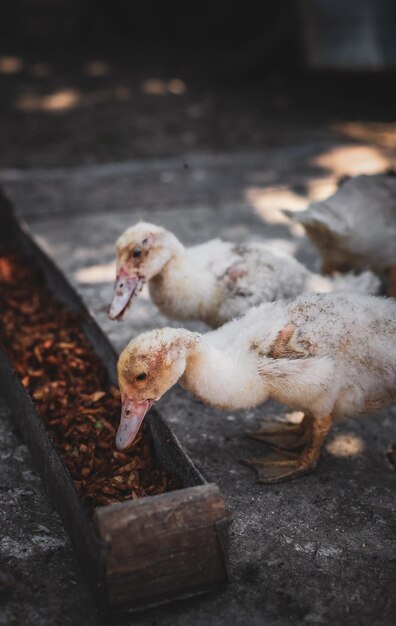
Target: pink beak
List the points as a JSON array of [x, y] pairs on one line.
[[124, 288], [132, 415]]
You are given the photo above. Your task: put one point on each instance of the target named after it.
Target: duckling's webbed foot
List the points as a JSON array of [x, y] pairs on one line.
[[286, 436], [279, 466]]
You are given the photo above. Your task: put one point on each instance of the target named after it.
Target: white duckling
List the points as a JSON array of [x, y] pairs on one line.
[[355, 228], [328, 355], [216, 281]]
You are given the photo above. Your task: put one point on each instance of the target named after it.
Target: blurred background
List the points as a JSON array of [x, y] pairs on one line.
[[88, 81]]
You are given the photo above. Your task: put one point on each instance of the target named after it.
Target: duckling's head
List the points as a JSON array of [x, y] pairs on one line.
[[150, 365], [142, 252]]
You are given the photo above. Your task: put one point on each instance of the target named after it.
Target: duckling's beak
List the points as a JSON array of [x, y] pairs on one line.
[[132, 415], [124, 288]]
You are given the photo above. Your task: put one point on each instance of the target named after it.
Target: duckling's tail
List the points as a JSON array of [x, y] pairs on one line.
[[366, 282]]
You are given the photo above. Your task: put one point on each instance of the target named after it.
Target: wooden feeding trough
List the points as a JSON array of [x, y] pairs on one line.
[[140, 551]]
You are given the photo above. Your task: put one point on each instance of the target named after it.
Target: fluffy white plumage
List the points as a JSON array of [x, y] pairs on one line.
[[341, 358], [329, 355], [218, 281]]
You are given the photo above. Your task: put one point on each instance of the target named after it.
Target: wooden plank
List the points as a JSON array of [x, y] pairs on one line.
[[163, 545], [56, 478], [172, 455]]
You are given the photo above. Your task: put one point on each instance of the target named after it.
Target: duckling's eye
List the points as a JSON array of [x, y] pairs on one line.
[[141, 376], [137, 252]]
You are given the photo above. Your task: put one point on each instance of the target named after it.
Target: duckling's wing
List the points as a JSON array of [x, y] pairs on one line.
[[259, 274]]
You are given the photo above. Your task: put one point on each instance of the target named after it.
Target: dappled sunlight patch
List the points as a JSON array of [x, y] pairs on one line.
[[269, 202], [159, 87], [350, 160], [61, 100], [11, 65], [381, 134], [30, 100], [68, 99], [96, 274], [345, 445], [321, 188], [176, 86]]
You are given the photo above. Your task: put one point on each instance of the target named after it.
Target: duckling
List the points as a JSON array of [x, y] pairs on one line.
[[355, 228], [328, 355], [215, 281]]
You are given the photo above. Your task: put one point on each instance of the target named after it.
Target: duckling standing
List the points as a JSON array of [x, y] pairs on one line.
[[355, 228], [328, 355], [216, 281]]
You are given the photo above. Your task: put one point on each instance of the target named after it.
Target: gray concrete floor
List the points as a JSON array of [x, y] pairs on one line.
[[320, 549], [317, 550]]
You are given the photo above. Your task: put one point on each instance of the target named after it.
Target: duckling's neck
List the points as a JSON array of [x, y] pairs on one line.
[[185, 288], [227, 379]]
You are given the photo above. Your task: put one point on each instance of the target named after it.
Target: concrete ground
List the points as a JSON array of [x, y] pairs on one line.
[[317, 550]]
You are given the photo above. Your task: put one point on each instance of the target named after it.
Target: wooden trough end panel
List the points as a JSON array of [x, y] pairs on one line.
[[165, 546]]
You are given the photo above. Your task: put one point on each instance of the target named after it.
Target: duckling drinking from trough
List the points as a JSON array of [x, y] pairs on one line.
[[216, 281], [329, 355]]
